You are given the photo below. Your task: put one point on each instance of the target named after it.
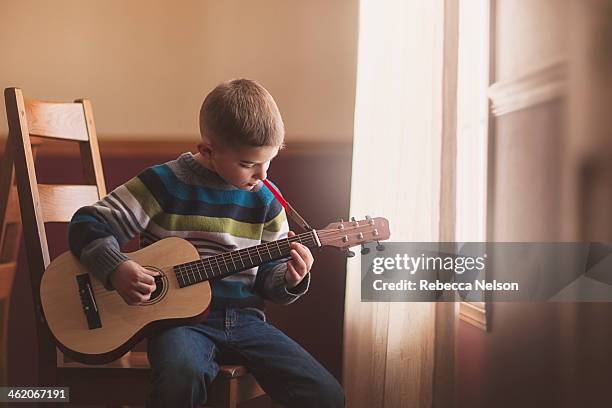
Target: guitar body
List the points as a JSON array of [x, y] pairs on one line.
[[120, 325]]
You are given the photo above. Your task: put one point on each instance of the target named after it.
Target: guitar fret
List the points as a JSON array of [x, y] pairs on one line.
[[183, 275], [188, 277], [193, 271], [218, 266], [260, 258], [268, 248], [247, 251], [179, 276], [210, 267], [232, 258], [225, 263]]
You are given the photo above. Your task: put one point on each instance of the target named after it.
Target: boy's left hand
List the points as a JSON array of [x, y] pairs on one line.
[[299, 265]]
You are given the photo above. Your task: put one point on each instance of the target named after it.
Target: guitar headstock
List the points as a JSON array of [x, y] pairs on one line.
[[346, 234]]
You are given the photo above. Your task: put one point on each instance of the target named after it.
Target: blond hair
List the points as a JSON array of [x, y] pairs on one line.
[[241, 112]]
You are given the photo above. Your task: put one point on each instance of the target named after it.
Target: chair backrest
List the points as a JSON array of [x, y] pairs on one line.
[[40, 203]]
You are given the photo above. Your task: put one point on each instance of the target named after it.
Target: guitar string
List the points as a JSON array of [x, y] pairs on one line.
[[323, 233], [308, 239], [285, 243], [188, 269], [208, 261]]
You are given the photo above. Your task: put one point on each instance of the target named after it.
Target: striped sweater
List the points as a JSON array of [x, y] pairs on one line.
[[182, 198]]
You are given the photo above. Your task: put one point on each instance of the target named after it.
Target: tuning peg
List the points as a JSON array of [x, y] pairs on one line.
[[364, 250], [349, 253], [379, 246]]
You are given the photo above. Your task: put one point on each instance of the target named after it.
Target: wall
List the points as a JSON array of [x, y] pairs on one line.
[[147, 65]]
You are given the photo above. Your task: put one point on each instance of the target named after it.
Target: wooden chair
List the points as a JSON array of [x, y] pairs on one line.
[[10, 237], [125, 381]]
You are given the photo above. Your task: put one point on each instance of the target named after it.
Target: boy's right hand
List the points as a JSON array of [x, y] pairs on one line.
[[133, 282]]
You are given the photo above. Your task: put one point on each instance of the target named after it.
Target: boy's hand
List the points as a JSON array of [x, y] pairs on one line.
[[299, 265], [133, 282]]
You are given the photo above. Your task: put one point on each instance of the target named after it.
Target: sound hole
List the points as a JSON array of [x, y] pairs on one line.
[[161, 286]]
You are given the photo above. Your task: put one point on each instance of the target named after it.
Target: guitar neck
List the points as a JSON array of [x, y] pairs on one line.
[[228, 263]]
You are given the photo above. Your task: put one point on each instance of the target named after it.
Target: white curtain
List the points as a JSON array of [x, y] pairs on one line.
[[389, 347]]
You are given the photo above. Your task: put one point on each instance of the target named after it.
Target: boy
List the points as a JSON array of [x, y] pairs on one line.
[[216, 200]]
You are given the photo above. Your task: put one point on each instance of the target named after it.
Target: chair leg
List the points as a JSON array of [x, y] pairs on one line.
[[225, 394]]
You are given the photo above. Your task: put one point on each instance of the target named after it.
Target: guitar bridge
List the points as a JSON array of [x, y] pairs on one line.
[[88, 301]]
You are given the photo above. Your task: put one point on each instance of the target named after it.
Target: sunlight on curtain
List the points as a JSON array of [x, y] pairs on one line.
[[472, 119], [388, 359], [472, 128]]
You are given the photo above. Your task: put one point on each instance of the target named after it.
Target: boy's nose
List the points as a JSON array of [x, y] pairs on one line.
[[261, 174]]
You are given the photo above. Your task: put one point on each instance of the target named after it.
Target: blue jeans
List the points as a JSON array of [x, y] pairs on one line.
[[184, 362]]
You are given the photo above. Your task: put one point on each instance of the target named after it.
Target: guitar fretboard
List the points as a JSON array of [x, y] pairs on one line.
[[228, 263]]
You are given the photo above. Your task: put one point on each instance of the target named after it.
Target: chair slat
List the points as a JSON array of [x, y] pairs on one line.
[[57, 120], [60, 202]]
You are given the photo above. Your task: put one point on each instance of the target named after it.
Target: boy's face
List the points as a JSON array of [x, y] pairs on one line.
[[245, 166]]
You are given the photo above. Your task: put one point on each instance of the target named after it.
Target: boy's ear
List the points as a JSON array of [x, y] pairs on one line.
[[205, 148]]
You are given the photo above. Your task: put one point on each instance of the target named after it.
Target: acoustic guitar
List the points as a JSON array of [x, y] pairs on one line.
[[95, 326]]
